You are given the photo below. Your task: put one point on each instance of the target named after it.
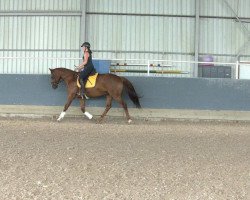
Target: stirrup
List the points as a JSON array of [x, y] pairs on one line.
[[83, 95]]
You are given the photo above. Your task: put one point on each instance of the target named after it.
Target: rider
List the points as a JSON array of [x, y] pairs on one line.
[[86, 68]]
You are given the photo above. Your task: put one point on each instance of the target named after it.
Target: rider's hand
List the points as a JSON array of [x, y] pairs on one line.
[[76, 68]]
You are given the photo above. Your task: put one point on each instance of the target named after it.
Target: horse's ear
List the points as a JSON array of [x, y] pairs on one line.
[[50, 70]]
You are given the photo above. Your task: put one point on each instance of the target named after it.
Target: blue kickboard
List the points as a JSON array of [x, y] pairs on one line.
[[102, 66]]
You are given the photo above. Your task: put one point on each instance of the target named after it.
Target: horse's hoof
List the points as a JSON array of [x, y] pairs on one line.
[[129, 121], [99, 121], [59, 119], [61, 116]]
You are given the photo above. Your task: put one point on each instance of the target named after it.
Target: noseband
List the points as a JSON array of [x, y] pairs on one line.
[[55, 84]]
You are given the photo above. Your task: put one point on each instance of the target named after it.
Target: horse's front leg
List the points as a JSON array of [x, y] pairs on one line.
[[87, 114], [66, 106]]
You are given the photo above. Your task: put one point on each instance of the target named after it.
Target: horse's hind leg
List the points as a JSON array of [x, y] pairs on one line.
[[87, 114], [124, 105], [108, 106]]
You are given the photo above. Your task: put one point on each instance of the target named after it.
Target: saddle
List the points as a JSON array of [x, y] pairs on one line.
[[90, 82]]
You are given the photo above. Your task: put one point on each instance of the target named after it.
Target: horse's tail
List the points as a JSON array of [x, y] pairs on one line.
[[131, 92]]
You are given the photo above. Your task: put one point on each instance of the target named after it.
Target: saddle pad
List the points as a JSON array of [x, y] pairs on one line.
[[90, 82]]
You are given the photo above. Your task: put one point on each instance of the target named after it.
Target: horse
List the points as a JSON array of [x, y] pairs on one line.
[[109, 85]]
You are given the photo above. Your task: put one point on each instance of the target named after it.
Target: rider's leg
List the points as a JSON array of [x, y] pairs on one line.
[[83, 80], [83, 83], [84, 77]]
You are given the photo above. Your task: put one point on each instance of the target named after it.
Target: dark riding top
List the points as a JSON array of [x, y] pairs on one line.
[[88, 69]]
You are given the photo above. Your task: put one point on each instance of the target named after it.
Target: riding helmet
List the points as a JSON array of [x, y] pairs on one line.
[[85, 44]]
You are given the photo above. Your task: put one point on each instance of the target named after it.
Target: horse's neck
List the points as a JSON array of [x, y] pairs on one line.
[[68, 77]]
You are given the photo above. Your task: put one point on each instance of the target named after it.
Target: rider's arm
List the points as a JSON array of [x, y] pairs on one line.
[[86, 57]]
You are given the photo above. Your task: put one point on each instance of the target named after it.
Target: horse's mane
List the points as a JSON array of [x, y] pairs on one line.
[[67, 72]]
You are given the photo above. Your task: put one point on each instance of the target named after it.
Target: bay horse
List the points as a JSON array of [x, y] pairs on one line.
[[110, 85]]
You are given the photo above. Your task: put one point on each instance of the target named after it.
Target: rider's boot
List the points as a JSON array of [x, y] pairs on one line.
[[82, 93]]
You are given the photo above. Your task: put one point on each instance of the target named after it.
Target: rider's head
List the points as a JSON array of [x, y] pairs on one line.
[[86, 44]]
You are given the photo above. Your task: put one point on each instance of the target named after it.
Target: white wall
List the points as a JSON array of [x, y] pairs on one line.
[[141, 29], [38, 28]]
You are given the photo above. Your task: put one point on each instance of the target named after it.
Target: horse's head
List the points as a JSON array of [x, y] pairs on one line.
[[55, 78]]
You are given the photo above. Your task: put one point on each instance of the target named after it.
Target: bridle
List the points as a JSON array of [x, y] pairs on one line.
[[55, 83]]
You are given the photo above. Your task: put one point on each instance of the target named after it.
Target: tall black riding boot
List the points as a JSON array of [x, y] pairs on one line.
[[82, 82]]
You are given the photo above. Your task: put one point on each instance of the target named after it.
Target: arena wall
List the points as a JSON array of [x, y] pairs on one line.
[[156, 93]]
